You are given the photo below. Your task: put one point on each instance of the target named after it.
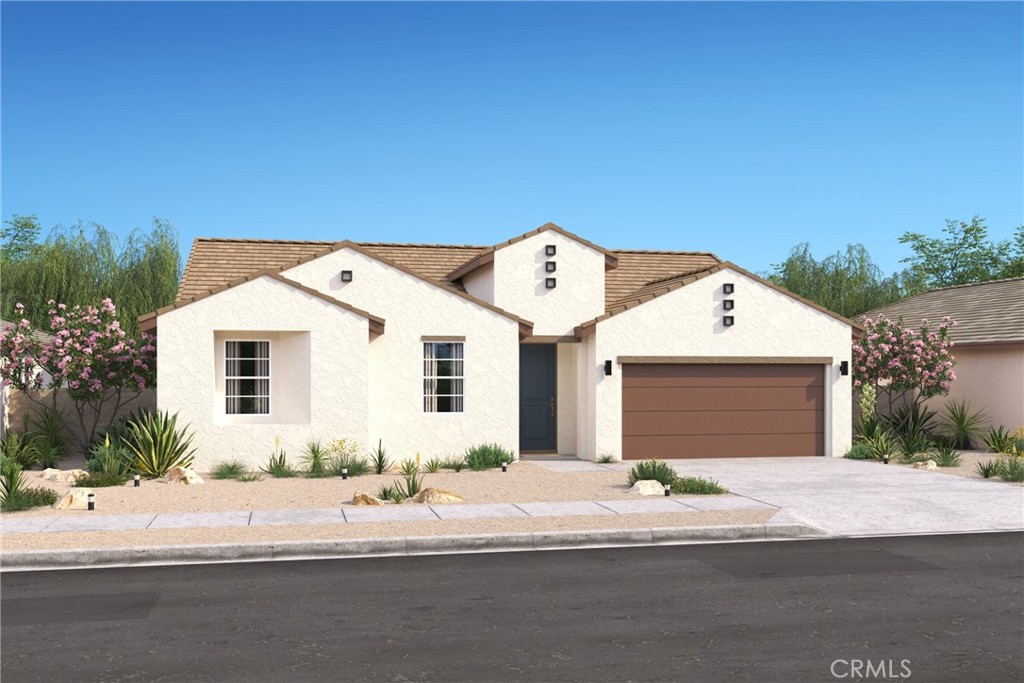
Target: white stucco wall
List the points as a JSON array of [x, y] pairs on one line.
[[687, 322], [991, 379], [413, 309], [519, 283], [319, 365]]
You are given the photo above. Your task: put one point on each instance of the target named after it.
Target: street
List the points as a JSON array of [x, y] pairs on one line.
[[941, 608]]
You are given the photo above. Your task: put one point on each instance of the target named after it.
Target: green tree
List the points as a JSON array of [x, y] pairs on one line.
[[84, 264], [964, 256], [849, 282]]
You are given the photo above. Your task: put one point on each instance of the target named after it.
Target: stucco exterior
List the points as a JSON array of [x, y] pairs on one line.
[[320, 366], [415, 309], [347, 354], [990, 377], [688, 323]]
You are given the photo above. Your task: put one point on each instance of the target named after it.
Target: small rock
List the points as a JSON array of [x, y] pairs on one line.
[[926, 465], [182, 475], [360, 498], [437, 497], [51, 474], [648, 487], [75, 499]]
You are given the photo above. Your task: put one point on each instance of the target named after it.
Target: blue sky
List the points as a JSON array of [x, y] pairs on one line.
[[732, 127]]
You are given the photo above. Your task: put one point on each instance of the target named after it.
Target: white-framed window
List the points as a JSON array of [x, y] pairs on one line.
[[247, 377], [443, 377]]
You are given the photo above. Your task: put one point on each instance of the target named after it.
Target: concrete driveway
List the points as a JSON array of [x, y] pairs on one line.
[[854, 498]]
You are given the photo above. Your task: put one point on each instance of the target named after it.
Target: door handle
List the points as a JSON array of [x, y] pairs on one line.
[[552, 407]]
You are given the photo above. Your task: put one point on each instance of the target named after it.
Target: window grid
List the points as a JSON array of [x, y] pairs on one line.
[[443, 377], [247, 377]]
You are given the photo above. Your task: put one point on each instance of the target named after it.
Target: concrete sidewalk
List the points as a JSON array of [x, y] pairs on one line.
[[95, 521], [856, 497]]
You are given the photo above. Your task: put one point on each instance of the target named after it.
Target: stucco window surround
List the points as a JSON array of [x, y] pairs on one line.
[[245, 361], [444, 376], [289, 383]]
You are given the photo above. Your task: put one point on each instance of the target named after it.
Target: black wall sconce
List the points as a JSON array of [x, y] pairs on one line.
[[549, 250], [346, 276], [728, 321], [608, 367], [550, 266], [549, 282], [728, 288], [844, 368], [728, 304]]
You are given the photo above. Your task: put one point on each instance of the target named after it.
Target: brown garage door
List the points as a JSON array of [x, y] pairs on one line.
[[722, 411]]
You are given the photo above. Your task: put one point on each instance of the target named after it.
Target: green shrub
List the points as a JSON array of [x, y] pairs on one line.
[[866, 427], [48, 427], [658, 470], [353, 463], [391, 492], [19, 448], [945, 456], [1011, 468], [605, 459], [157, 444], [454, 464], [488, 456], [433, 466], [912, 426], [882, 444], [410, 484], [278, 465], [379, 460], [961, 425], [229, 469], [697, 485], [110, 459], [98, 479], [15, 494], [988, 469], [249, 476], [860, 451], [998, 440], [408, 467], [317, 459]]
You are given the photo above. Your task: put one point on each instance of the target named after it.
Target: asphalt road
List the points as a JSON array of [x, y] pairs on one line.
[[951, 606]]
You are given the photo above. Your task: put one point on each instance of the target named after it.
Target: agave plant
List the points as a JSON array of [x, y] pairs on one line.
[[157, 444], [12, 481], [962, 426]]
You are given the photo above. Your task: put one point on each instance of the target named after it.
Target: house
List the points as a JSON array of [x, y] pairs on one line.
[[988, 343], [546, 343]]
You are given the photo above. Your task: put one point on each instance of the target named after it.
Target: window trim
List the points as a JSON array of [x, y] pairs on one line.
[[269, 377], [461, 341]]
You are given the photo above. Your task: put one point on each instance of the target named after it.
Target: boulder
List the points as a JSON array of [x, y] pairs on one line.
[[926, 465], [75, 499], [648, 487], [437, 497], [360, 498], [182, 475], [50, 474]]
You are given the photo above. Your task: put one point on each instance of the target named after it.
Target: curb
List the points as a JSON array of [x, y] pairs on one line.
[[407, 545]]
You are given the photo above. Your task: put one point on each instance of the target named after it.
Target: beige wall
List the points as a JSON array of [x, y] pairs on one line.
[[989, 378], [688, 322], [19, 407], [568, 373]]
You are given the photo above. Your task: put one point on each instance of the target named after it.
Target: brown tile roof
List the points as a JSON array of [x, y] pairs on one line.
[[215, 262], [986, 312], [665, 285]]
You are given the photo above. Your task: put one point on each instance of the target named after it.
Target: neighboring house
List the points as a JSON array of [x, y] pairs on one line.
[[988, 343], [545, 343], [9, 413]]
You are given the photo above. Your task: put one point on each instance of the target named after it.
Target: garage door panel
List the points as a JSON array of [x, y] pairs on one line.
[[720, 376], [707, 422], [645, 399], [722, 446]]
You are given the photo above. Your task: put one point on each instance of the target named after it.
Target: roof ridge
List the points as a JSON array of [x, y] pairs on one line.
[[673, 277], [245, 240], [666, 251], [970, 284]]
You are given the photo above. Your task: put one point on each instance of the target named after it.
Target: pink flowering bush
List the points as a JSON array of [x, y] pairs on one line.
[[898, 360], [90, 358]]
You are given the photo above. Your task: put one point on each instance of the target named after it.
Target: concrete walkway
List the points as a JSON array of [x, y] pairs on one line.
[[96, 521], [856, 498]]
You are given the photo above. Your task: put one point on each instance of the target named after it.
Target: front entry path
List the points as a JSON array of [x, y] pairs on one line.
[[854, 497]]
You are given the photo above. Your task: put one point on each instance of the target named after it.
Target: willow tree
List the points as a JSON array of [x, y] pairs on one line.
[[83, 264]]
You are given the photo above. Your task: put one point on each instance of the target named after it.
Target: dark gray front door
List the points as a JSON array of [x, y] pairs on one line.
[[537, 397]]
